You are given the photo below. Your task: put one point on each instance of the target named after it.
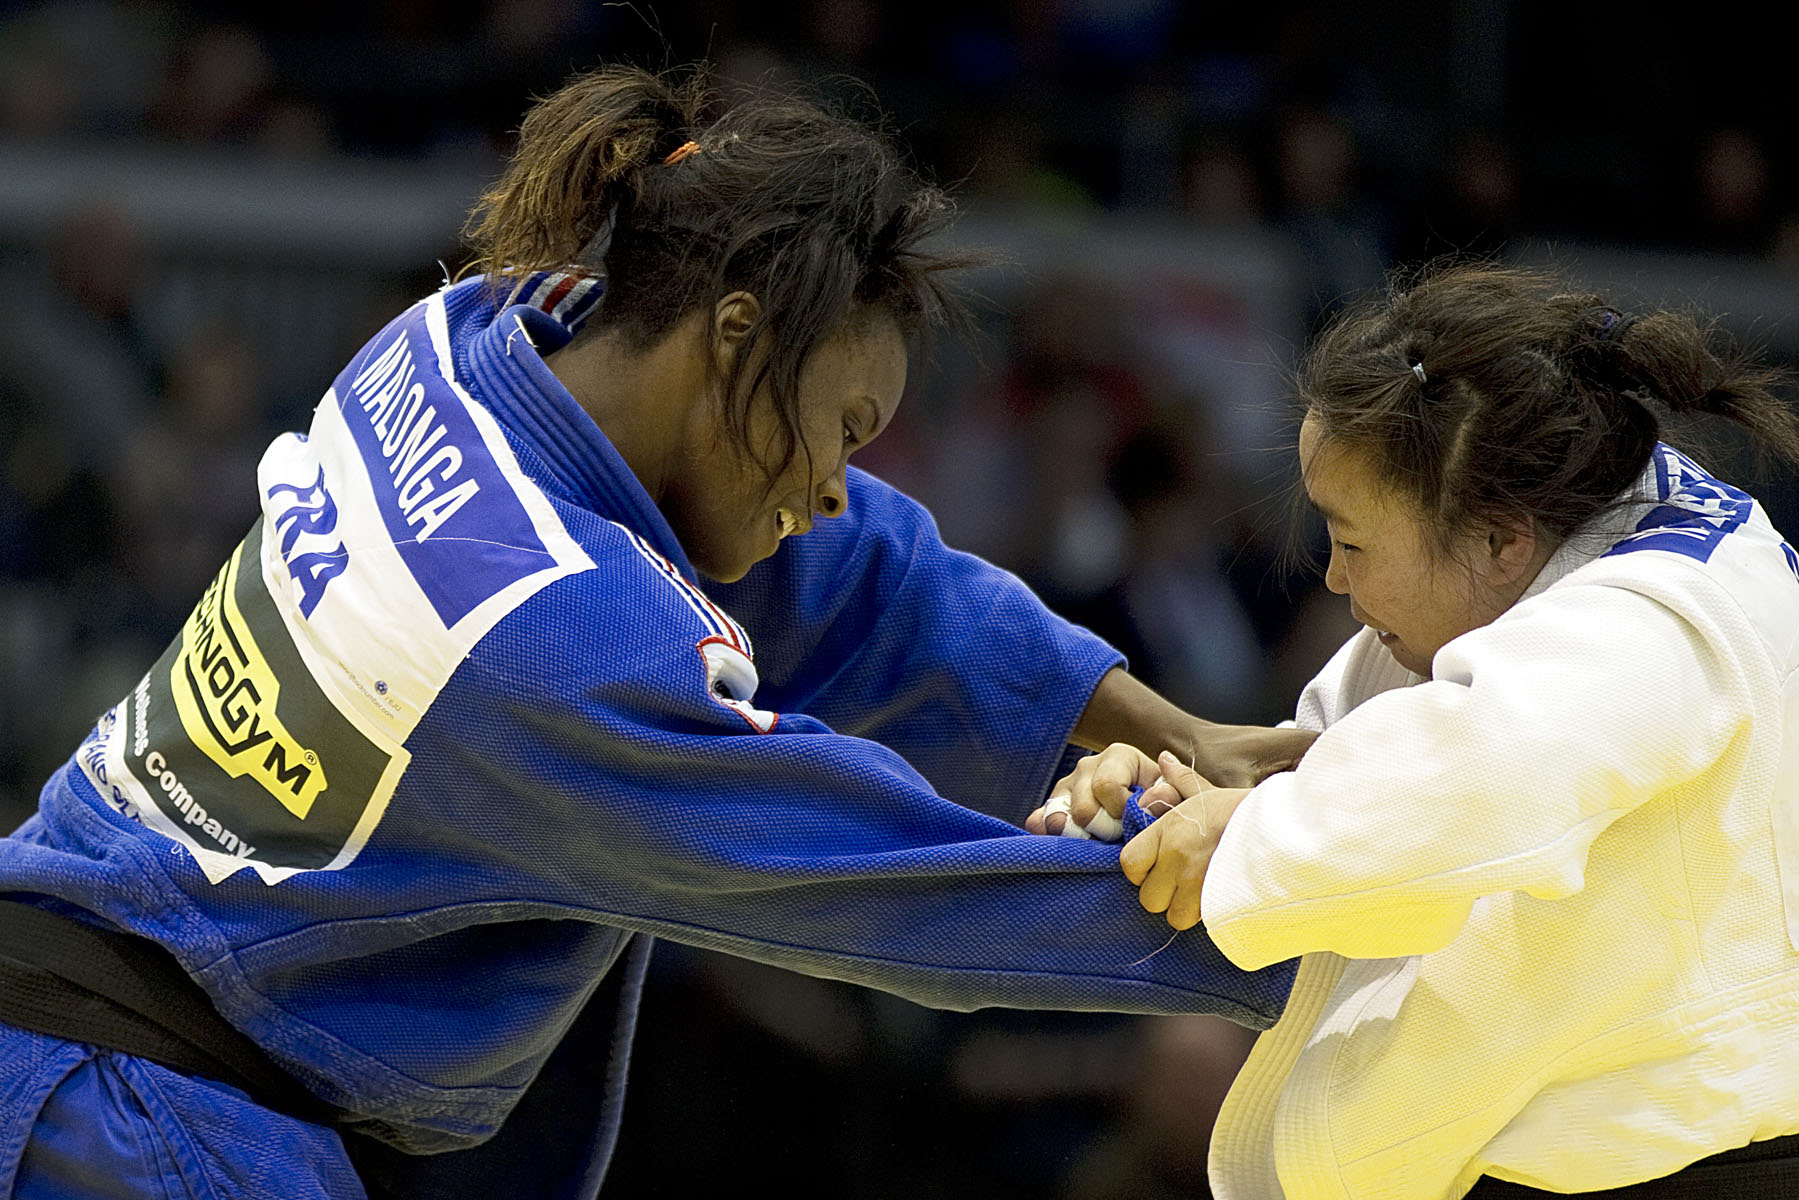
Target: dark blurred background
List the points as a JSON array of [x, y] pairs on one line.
[[205, 207]]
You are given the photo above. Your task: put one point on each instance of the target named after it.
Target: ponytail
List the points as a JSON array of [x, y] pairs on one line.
[[1692, 368], [577, 162]]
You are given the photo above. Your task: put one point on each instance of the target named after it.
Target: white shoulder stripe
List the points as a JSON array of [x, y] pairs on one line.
[[738, 637], [710, 615], [667, 570]]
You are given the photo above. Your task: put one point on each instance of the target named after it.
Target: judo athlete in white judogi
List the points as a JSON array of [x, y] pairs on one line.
[[1541, 868]]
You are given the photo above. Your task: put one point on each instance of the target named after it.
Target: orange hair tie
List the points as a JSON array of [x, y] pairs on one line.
[[680, 152]]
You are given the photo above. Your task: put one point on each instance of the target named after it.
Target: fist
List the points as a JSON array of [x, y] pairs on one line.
[[1089, 801]]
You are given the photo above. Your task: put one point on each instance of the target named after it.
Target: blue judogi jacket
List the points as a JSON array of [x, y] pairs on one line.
[[455, 732]]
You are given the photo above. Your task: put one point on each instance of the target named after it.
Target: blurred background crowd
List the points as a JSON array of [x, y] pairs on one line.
[[205, 207]]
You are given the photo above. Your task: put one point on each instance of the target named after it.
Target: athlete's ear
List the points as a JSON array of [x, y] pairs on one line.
[[1511, 548], [732, 319]]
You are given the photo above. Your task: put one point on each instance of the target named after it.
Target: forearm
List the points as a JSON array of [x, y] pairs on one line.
[[829, 856], [1124, 709]]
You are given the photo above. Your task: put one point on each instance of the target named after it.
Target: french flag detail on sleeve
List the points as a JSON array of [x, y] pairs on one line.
[[710, 614], [731, 678]]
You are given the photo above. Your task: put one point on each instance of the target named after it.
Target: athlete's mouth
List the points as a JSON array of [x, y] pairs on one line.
[[786, 522], [1385, 635]]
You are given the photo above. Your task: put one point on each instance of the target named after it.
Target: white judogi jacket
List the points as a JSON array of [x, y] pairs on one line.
[[1548, 899]]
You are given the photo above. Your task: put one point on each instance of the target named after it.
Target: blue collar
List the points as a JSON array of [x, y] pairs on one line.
[[505, 362]]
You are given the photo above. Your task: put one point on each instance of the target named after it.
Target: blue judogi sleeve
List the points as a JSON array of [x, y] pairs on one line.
[[661, 803], [874, 626]]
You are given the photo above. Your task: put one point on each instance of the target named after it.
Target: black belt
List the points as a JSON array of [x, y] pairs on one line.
[[1766, 1170], [70, 979]]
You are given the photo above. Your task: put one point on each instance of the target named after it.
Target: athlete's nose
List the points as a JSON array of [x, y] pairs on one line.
[[833, 496], [1336, 577]]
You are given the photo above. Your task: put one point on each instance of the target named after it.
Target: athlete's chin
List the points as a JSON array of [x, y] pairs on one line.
[[732, 560], [721, 574], [1402, 654], [724, 569]]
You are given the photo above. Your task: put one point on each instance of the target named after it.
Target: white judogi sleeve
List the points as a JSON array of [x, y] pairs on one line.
[[1536, 733]]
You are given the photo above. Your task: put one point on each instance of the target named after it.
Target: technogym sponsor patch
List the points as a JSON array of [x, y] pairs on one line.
[[235, 745]]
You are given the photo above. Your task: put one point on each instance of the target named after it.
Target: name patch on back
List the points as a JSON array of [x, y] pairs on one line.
[[395, 534], [443, 499]]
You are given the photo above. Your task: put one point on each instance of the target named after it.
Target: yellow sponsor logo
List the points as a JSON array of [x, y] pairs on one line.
[[226, 695]]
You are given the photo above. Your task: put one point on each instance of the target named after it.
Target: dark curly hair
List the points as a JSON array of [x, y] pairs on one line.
[[809, 210]]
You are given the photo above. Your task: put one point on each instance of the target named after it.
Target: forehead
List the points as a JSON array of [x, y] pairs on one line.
[[866, 352], [869, 331], [1340, 481]]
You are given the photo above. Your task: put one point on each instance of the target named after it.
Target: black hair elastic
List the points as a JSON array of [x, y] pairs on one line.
[[1612, 325]]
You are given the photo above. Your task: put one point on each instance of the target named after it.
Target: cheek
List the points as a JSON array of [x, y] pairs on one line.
[[1440, 612], [1366, 582], [712, 513], [1393, 598]]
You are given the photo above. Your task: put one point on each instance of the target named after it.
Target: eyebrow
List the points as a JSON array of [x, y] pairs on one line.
[[873, 407], [1329, 514]]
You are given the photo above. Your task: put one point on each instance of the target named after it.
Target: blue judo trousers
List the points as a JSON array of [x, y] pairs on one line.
[[454, 734]]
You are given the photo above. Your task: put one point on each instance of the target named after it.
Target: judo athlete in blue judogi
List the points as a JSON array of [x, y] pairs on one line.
[[354, 891]]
